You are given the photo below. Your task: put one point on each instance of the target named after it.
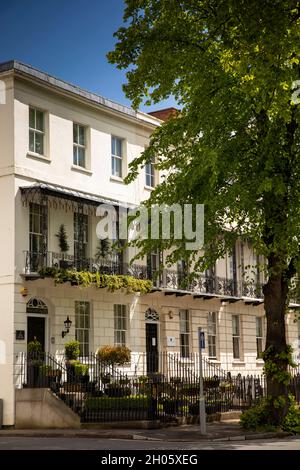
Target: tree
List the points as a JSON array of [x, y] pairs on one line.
[[62, 239], [234, 146]]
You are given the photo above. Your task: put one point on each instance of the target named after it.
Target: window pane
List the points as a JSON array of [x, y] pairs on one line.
[[40, 120], [87, 320], [258, 326], [120, 325], [235, 325], [117, 165], [86, 336], [212, 350], [32, 118], [258, 347], [82, 323], [236, 347], [35, 223], [31, 141], [39, 143], [81, 135], [81, 156], [118, 147]]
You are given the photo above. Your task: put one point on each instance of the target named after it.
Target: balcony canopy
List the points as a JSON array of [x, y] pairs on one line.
[[69, 198]]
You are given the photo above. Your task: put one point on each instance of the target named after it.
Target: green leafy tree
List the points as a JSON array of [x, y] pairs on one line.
[[235, 144]]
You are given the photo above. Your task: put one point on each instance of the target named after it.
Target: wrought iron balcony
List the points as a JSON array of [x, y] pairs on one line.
[[166, 279], [35, 261], [204, 284]]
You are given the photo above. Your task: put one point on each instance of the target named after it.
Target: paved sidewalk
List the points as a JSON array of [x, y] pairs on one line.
[[217, 431]]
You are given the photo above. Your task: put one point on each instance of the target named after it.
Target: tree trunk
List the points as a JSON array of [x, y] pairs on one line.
[[275, 302]]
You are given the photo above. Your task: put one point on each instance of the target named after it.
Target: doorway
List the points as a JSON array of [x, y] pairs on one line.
[[152, 347], [36, 329]]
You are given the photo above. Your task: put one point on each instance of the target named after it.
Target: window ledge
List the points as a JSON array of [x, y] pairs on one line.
[[148, 188], [259, 361], [238, 362], [214, 361], [118, 179], [80, 169], [38, 156]]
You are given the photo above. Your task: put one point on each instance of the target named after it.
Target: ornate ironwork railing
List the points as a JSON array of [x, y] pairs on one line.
[[35, 261], [166, 278]]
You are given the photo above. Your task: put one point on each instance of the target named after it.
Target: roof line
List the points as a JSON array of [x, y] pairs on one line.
[[47, 79]]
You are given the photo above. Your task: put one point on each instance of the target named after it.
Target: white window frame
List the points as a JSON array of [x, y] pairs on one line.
[[120, 324], [83, 345], [150, 174], [212, 334], [236, 337], [115, 157], [36, 131], [259, 337], [184, 333], [77, 145]]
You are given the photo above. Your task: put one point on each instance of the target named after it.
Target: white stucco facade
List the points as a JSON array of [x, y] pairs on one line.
[[63, 105]]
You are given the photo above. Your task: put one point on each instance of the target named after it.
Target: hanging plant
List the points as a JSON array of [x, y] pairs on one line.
[[112, 282]]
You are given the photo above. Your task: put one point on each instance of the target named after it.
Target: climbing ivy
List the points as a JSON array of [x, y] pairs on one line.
[[274, 367], [85, 278]]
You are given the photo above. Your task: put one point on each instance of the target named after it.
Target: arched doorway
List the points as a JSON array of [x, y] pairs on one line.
[[152, 324], [37, 313]]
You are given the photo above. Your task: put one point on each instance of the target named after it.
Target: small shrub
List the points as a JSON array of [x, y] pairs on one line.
[[34, 347], [137, 402], [114, 355], [260, 418], [80, 369], [255, 418], [72, 350], [291, 422]]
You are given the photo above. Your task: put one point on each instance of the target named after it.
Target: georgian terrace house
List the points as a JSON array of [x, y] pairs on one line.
[[64, 151]]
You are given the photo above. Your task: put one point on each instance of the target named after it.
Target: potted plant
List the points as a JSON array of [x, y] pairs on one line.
[[63, 245], [72, 351], [103, 249], [114, 355], [81, 372], [34, 361]]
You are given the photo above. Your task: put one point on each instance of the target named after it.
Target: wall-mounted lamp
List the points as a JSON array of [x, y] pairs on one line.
[[170, 313], [67, 324]]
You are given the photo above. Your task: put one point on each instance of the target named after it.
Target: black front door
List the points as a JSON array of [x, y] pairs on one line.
[[151, 348], [36, 329]]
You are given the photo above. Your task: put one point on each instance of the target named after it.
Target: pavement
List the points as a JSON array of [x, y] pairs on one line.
[[216, 431]]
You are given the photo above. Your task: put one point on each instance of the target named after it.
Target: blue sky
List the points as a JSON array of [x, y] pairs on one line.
[[68, 39]]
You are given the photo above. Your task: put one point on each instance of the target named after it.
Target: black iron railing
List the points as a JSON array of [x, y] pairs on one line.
[[35, 261], [166, 278], [99, 392]]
